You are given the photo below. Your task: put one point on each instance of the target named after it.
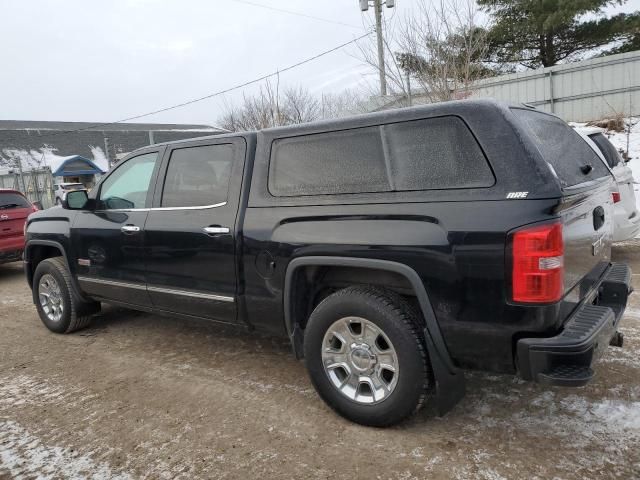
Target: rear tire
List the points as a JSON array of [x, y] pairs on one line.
[[364, 351], [58, 307]]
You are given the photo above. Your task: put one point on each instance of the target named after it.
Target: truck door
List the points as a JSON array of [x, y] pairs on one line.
[[107, 243], [190, 234]]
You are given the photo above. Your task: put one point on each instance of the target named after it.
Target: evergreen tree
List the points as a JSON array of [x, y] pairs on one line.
[[458, 54], [542, 33]]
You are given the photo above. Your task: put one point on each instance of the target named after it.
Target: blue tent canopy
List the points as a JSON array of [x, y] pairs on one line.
[[77, 165]]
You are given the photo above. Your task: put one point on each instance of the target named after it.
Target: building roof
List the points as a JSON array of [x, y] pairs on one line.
[[42, 143], [100, 127], [75, 165]]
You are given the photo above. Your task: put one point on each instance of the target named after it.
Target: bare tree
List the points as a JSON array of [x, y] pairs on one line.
[[342, 104], [439, 50], [299, 106], [271, 108]]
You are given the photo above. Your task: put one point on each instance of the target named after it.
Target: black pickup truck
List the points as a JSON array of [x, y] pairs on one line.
[[394, 249]]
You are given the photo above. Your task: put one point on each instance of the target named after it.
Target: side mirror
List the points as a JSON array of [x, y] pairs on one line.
[[75, 200]]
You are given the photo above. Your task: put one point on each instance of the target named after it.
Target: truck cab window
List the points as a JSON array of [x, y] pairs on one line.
[[128, 185], [198, 176]]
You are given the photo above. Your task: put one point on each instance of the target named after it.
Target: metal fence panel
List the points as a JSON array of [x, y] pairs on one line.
[[580, 91], [37, 185]]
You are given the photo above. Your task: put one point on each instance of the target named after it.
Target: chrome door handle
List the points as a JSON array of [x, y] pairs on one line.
[[215, 230], [129, 229]]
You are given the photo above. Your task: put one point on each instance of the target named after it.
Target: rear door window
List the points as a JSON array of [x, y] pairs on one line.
[[13, 200], [198, 176], [564, 150], [608, 150], [427, 154]]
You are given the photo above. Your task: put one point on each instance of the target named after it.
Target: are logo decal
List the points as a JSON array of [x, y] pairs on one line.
[[4, 217], [517, 194]]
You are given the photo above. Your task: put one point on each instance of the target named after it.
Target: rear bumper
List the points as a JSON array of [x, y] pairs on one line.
[[566, 359]]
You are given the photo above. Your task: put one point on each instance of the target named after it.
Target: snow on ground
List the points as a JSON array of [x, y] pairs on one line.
[[24, 456]]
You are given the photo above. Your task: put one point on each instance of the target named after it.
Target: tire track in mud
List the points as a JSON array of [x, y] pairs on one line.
[[146, 397]]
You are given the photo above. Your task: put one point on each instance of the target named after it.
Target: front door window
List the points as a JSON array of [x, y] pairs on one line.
[[127, 187]]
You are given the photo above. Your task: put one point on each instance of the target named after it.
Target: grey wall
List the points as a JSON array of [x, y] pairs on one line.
[[581, 91]]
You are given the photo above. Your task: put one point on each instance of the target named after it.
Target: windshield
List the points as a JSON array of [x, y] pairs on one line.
[[608, 150], [13, 200]]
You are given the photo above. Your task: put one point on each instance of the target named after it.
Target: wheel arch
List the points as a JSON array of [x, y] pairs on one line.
[[409, 279], [38, 250], [450, 383]]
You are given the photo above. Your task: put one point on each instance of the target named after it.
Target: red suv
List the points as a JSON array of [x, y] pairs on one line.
[[14, 210]]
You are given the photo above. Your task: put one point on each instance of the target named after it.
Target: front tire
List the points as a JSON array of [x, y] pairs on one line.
[[58, 307], [365, 354]]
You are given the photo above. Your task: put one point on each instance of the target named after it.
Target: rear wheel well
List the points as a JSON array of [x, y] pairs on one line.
[[312, 284]]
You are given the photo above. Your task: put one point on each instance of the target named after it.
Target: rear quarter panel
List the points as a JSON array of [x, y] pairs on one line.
[[457, 248], [454, 239]]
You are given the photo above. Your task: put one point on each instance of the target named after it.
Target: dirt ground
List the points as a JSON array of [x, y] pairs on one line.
[[141, 396]]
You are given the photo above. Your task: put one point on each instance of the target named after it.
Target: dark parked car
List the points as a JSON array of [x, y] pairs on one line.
[[394, 249], [14, 210]]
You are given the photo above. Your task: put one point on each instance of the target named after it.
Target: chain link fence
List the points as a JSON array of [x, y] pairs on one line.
[[37, 185]]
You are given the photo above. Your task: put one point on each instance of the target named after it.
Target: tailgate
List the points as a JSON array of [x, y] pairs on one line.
[[587, 218], [586, 206]]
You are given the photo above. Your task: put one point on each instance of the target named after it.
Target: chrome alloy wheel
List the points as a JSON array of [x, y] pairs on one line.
[[360, 360], [50, 297]]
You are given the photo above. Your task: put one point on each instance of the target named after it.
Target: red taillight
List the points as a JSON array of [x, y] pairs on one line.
[[538, 264], [615, 196]]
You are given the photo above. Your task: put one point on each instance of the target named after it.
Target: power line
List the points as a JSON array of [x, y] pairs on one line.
[[211, 95], [299, 14]]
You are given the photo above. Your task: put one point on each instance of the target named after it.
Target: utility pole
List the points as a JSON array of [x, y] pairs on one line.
[[377, 9], [21, 174], [107, 152], [381, 66]]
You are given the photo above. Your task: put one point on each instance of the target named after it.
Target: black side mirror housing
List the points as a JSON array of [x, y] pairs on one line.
[[76, 200]]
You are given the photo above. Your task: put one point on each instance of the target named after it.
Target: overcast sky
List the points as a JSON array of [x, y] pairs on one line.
[[79, 60]]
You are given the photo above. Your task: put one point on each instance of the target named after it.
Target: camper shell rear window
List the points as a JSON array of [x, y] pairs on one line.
[[568, 155]]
